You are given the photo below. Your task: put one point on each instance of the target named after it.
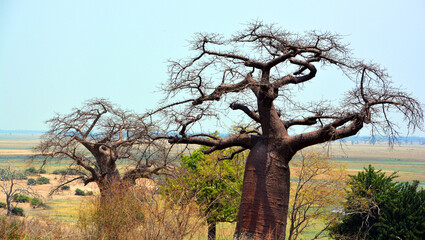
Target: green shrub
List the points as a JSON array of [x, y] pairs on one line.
[[89, 193], [36, 202], [31, 182], [33, 171], [79, 192], [66, 172], [17, 211], [2, 205], [65, 187], [60, 171], [20, 198], [43, 180]]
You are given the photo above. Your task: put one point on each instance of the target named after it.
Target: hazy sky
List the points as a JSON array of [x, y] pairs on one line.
[[56, 54]]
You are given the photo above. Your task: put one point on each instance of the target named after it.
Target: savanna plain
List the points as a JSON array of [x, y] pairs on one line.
[[64, 207]]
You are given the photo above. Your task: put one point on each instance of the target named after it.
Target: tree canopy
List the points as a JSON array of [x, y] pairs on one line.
[[97, 135]]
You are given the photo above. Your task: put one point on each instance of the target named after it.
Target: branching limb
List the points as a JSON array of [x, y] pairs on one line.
[[242, 140], [237, 106], [63, 184], [234, 153]]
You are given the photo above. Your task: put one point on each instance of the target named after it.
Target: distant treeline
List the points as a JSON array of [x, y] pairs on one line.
[[373, 140], [353, 139]]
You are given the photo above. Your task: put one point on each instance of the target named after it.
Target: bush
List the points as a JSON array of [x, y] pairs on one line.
[[60, 171], [79, 192], [20, 198], [89, 193], [31, 170], [66, 172], [2, 205], [36, 202], [43, 180], [65, 187], [142, 214], [17, 211], [31, 182], [377, 207]]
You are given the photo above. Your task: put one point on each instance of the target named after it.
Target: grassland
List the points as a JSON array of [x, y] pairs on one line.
[[408, 160]]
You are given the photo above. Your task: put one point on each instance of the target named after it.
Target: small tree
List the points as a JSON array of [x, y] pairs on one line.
[[10, 187], [215, 183], [379, 208], [318, 189], [98, 135]]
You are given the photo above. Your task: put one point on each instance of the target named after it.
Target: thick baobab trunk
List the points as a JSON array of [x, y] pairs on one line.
[[109, 175], [265, 195]]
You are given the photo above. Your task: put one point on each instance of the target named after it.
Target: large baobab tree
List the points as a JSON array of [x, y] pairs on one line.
[[254, 72], [93, 138]]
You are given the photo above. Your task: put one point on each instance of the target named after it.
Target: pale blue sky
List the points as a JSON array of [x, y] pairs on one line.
[[56, 54]]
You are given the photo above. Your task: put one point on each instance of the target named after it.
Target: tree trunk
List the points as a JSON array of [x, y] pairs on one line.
[[212, 226], [265, 195], [109, 183], [8, 207]]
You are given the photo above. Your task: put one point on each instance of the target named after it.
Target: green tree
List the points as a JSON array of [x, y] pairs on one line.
[[377, 207], [214, 181]]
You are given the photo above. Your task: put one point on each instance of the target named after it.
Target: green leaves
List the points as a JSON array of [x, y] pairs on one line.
[[216, 184], [377, 207]]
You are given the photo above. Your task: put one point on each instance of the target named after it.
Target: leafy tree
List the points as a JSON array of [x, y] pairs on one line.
[[377, 207], [216, 184], [317, 189], [257, 71]]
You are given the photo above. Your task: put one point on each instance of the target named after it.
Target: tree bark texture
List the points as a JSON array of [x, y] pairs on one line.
[[265, 195]]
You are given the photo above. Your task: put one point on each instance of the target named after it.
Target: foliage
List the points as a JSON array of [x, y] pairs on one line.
[[17, 211], [65, 187], [216, 184], [377, 207], [37, 202], [319, 188], [20, 198], [79, 192], [66, 172], [43, 180], [33, 171], [2, 205], [31, 182]]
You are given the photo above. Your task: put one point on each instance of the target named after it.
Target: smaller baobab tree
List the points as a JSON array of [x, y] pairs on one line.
[[98, 135]]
